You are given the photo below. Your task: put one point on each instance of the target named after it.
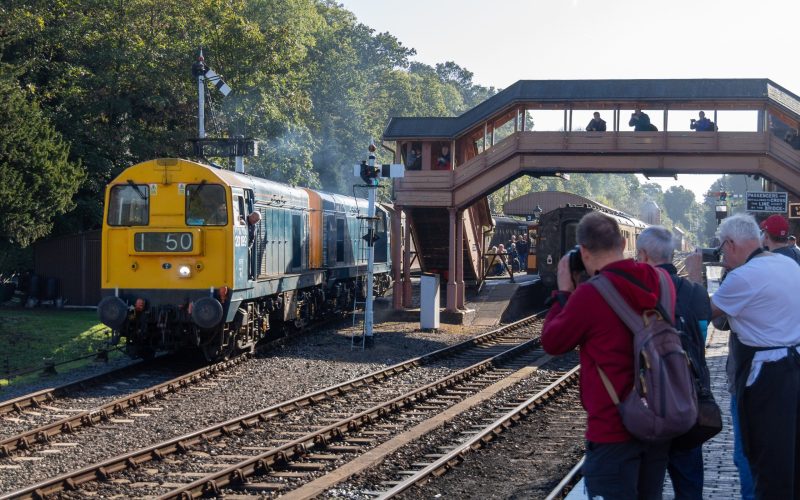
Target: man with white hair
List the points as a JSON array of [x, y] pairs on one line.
[[765, 348], [655, 246]]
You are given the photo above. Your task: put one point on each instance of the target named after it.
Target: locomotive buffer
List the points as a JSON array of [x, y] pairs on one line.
[[371, 176]]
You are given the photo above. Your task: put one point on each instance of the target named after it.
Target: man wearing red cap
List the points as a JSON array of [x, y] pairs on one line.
[[775, 237]]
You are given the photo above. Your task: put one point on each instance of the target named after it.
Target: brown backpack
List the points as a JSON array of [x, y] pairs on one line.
[[663, 402]]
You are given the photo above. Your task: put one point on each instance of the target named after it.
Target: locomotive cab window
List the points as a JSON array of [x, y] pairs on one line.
[[205, 205], [129, 205]]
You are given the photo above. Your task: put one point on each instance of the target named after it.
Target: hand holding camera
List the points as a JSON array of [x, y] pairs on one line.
[[570, 267]]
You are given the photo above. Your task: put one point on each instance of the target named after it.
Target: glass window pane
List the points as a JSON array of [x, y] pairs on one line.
[[205, 205], [129, 205]]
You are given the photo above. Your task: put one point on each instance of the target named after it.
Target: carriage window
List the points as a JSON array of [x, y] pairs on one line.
[[129, 205], [205, 205]]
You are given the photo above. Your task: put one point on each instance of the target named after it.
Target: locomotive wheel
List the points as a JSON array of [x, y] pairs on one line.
[[214, 352]]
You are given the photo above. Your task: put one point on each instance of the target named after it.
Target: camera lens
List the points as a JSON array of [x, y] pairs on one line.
[[575, 260]]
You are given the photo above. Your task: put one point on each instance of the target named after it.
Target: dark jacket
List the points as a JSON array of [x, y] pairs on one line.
[[640, 122], [598, 125], [586, 320], [790, 251], [702, 125]]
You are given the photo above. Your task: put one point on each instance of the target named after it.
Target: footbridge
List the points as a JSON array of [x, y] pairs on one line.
[[453, 163]]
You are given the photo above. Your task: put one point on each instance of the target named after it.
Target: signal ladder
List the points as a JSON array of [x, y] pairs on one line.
[[360, 254]]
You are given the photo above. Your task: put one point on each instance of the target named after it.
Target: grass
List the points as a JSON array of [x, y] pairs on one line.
[[31, 336]]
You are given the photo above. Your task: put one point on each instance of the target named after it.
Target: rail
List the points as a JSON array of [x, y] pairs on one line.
[[102, 471], [498, 426]]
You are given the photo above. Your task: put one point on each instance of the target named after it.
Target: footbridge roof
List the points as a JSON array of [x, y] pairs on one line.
[[748, 93]]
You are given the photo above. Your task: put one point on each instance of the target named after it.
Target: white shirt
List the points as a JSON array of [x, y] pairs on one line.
[[762, 301]]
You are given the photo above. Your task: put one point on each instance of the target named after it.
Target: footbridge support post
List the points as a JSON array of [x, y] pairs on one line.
[[407, 260], [452, 287], [397, 263], [460, 300]]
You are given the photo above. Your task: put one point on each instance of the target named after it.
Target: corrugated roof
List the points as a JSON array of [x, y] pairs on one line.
[[634, 91]]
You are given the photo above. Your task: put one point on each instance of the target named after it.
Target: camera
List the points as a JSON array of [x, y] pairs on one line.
[[575, 260], [711, 254]]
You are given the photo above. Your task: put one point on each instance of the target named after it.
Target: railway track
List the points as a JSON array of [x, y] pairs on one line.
[[67, 420], [302, 436], [42, 397], [406, 473]]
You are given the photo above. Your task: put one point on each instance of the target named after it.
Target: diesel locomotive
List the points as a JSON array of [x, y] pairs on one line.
[[184, 268]]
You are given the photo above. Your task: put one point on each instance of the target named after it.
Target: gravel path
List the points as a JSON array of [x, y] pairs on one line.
[[306, 363]]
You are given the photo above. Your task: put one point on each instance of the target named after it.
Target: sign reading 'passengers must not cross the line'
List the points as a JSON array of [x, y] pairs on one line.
[[766, 201]]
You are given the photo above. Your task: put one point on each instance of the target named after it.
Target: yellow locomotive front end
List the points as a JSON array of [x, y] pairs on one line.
[[167, 261]]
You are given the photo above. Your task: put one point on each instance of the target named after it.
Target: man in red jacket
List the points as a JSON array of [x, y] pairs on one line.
[[617, 465]]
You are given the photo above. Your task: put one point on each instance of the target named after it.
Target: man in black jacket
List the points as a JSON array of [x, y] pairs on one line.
[[640, 121], [596, 124], [655, 246]]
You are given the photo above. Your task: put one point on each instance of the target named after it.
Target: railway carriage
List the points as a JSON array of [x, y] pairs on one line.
[[557, 233], [182, 269]]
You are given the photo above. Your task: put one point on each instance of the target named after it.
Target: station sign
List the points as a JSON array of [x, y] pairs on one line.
[[794, 210], [766, 201]]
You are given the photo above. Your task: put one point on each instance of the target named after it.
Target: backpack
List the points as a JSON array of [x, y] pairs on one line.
[[663, 402], [709, 416]]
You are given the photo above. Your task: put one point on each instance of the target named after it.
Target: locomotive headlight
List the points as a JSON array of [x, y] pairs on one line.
[[184, 272]]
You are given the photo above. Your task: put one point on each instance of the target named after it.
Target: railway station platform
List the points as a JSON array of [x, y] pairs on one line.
[[499, 300], [721, 477]]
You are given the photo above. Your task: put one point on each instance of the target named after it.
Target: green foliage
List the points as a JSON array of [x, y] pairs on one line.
[[31, 336], [37, 180]]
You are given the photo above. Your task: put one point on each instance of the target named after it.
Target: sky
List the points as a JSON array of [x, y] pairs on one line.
[[503, 41]]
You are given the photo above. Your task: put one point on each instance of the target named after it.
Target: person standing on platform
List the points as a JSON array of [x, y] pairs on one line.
[[596, 124], [765, 345], [617, 465], [522, 250], [640, 121], [775, 232], [655, 246]]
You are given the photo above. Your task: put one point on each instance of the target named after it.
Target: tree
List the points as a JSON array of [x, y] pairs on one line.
[[37, 181], [680, 205]]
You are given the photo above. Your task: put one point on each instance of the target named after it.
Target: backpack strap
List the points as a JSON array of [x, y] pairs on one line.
[[607, 385], [617, 303], [665, 303]]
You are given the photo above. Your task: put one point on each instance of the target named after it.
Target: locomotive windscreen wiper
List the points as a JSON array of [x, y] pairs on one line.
[[139, 191]]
